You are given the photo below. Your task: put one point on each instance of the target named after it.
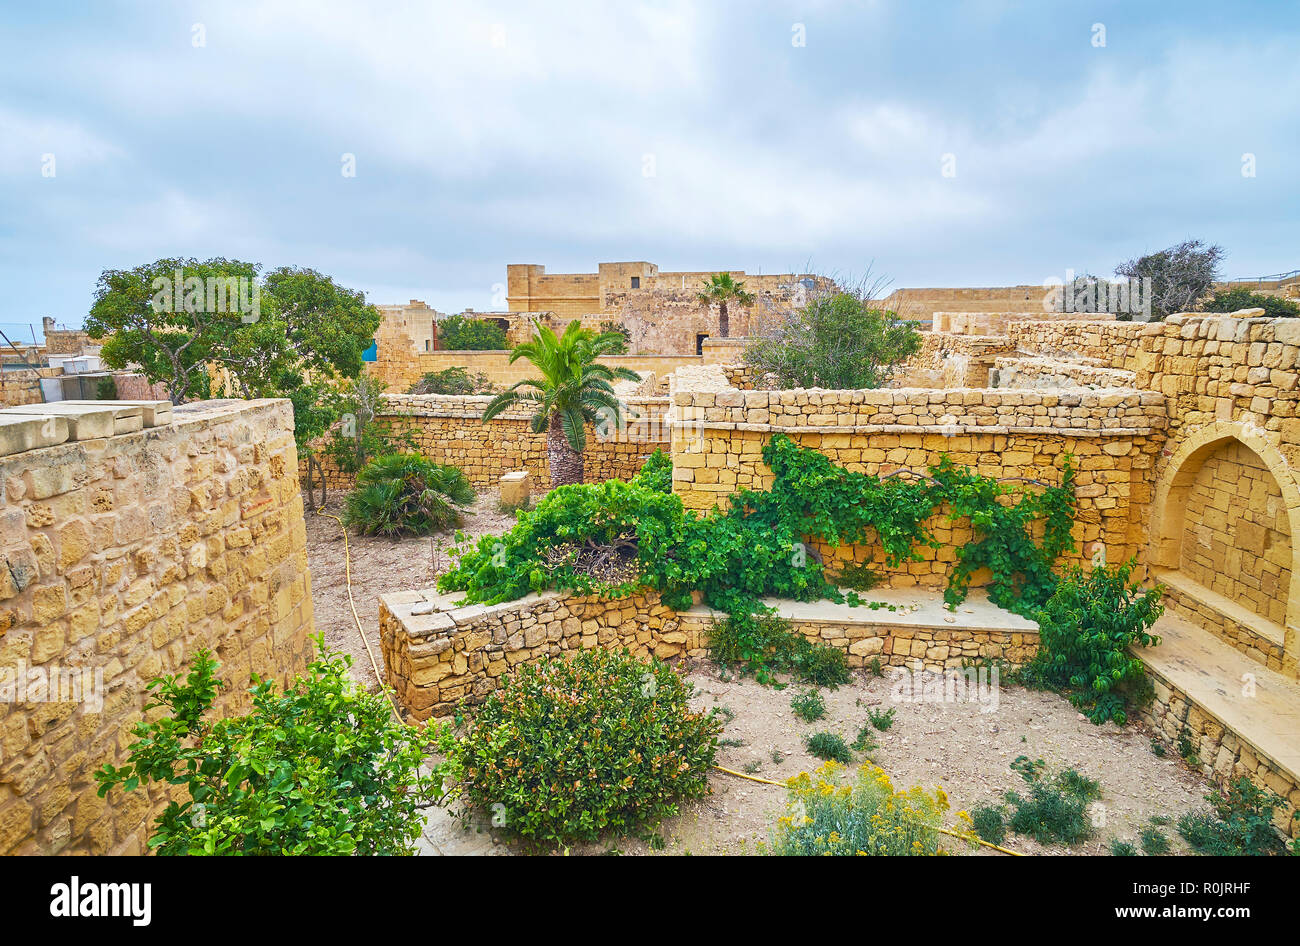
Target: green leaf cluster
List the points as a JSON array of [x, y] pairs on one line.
[[571, 748], [318, 768]]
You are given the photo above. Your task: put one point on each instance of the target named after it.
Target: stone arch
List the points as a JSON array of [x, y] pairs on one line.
[[1174, 486]]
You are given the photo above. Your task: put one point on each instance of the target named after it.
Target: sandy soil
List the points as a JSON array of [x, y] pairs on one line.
[[379, 565], [955, 745]]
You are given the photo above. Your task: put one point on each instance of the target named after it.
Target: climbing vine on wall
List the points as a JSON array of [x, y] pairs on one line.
[[614, 537]]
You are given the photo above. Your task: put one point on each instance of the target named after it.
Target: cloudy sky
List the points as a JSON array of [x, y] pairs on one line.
[[980, 143]]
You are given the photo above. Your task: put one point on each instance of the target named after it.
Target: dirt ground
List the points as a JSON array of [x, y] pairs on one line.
[[379, 566], [954, 745]]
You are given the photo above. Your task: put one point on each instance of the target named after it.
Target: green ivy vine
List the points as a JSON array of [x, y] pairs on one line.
[[756, 546]]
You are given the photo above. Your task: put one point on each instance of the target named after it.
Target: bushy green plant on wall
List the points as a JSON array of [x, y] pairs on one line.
[[756, 546], [1086, 630]]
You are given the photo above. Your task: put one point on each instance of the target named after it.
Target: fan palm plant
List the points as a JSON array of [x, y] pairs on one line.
[[573, 390], [407, 494], [721, 288]]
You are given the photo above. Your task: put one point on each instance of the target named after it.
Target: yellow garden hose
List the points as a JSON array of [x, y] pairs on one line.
[[964, 837], [347, 571]]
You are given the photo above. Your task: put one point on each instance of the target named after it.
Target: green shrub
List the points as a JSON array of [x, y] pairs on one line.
[[826, 816], [1085, 631], [1056, 809], [1241, 822], [858, 576], [1120, 848], [461, 333], [989, 824], [407, 494], [1154, 842], [829, 746], [865, 742], [763, 644], [568, 749], [656, 474], [808, 705], [1230, 300], [881, 720], [320, 768], [453, 380]]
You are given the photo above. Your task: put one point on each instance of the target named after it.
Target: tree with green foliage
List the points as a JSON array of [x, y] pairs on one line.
[[462, 333], [1086, 630], [1233, 300], [453, 380], [573, 390], [1180, 275], [148, 318], [321, 767], [841, 340], [289, 335], [720, 289]]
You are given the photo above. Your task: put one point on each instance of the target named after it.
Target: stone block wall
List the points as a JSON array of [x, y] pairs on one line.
[[1107, 344], [1223, 753], [951, 360], [445, 654], [124, 557], [1235, 537], [1056, 373], [449, 429], [1114, 438]]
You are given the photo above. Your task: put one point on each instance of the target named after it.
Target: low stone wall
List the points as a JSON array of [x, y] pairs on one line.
[[995, 323], [911, 410], [1224, 755], [443, 655], [124, 556], [1055, 373], [401, 368], [951, 360], [1112, 344], [1114, 438], [449, 429]]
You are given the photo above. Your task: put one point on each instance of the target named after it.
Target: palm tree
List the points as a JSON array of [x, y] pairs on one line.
[[722, 289], [574, 390]]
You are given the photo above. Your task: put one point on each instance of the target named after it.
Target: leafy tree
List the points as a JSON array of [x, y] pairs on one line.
[[319, 768], [721, 289], [357, 438], [1085, 631], [839, 340], [573, 390], [460, 333], [1180, 275], [171, 341], [453, 380], [287, 336], [1230, 300]]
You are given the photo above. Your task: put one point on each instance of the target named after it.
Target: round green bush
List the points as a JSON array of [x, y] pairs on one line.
[[407, 494], [570, 748]]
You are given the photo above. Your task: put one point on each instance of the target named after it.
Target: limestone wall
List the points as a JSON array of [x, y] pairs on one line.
[[437, 654], [1019, 372], [1223, 754], [951, 360], [125, 556], [450, 429], [1104, 343], [1113, 436], [399, 368], [1235, 537]]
